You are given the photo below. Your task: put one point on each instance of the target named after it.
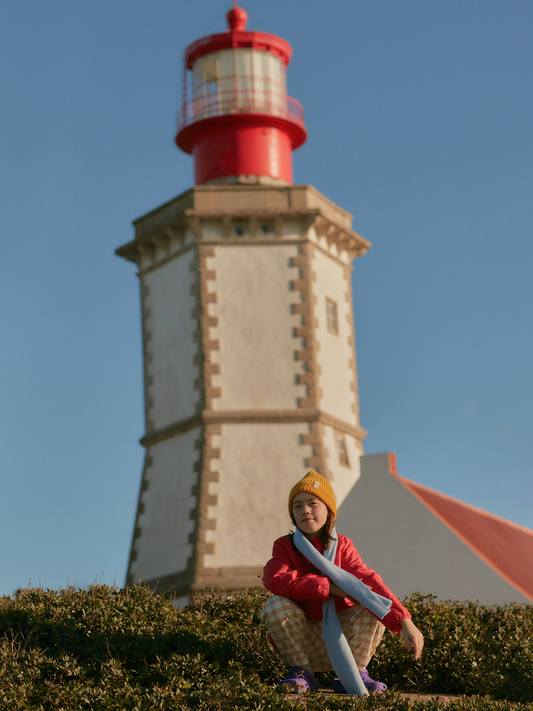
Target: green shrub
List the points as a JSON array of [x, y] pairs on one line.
[[469, 649], [104, 648]]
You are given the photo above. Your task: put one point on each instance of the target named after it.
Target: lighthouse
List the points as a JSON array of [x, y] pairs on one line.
[[250, 375]]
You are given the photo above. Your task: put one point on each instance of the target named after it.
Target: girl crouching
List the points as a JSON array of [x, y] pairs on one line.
[[328, 611]]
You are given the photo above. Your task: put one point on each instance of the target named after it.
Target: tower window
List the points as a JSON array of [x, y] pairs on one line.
[[342, 450], [331, 316]]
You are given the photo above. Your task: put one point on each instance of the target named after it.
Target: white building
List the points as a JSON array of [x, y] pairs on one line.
[[420, 540]]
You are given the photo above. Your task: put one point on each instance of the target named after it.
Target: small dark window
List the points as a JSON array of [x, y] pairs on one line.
[[342, 450], [331, 315], [240, 228]]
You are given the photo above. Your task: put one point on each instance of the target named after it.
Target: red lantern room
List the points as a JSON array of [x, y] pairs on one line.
[[236, 119]]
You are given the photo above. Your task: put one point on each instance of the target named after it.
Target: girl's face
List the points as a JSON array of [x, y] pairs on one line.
[[310, 514]]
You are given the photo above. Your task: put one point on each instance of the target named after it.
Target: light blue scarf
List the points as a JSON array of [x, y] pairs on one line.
[[339, 651]]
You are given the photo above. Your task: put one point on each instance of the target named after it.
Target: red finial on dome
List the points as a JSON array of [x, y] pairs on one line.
[[237, 19]]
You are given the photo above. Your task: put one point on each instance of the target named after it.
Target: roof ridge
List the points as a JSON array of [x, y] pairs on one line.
[[477, 509]]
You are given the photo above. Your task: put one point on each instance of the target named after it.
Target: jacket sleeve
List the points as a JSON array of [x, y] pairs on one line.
[[281, 578], [353, 563]]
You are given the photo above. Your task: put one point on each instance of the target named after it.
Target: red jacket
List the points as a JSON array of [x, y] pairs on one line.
[[290, 574]]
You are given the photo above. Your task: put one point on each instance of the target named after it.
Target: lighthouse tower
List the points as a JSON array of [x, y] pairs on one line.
[[249, 356]]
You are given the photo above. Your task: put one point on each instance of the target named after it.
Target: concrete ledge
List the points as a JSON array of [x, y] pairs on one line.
[[424, 698]]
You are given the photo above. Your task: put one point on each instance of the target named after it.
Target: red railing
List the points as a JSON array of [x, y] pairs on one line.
[[235, 101]]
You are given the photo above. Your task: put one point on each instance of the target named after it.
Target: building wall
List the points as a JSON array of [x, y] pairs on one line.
[[336, 350], [255, 327], [170, 341], [410, 547], [161, 544], [343, 476], [258, 465], [337, 371]]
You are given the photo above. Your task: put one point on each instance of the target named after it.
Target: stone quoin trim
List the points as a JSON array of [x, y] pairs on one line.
[[205, 499], [147, 356], [137, 531], [190, 579], [206, 297], [208, 453], [352, 364], [307, 354]]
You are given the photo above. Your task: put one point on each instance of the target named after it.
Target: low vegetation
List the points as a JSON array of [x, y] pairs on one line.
[[105, 648]]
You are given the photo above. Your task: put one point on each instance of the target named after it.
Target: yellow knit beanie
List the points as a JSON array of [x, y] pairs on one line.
[[315, 484]]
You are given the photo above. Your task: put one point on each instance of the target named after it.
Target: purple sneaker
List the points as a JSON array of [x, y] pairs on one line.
[[374, 687], [301, 679]]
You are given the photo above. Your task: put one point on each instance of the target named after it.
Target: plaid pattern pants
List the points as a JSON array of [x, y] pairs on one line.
[[299, 640]]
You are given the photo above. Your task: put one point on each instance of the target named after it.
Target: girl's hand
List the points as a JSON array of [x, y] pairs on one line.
[[413, 638], [335, 590]]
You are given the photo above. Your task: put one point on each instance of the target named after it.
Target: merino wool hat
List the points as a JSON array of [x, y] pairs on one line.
[[313, 483]]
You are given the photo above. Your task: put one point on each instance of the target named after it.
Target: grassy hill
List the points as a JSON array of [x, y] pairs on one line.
[[105, 648]]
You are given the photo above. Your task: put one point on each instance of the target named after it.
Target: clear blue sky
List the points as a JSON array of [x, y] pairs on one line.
[[420, 120]]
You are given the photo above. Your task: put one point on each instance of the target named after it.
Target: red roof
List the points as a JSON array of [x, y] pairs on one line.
[[237, 36], [505, 546], [225, 40]]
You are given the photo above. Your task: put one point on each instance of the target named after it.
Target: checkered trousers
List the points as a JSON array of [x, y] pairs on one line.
[[299, 640]]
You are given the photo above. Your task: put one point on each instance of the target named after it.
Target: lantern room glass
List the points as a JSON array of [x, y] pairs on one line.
[[238, 80]]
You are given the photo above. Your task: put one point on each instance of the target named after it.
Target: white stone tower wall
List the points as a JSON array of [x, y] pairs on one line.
[[170, 342], [257, 462], [342, 476], [336, 355], [255, 327], [162, 542], [162, 537], [337, 378], [258, 378]]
